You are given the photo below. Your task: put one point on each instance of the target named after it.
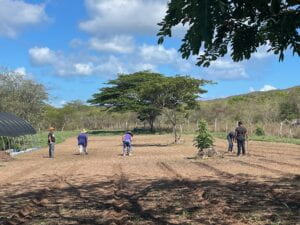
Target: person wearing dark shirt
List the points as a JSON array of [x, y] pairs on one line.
[[240, 137], [51, 142], [230, 139], [82, 142]]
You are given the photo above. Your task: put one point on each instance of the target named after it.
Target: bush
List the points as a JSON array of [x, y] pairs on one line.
[[259, 131], [204, 139]]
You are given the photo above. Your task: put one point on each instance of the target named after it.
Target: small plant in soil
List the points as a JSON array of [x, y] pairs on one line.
[[204, 140]]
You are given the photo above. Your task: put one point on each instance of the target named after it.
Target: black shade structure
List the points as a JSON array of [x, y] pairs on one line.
[[13, 126]]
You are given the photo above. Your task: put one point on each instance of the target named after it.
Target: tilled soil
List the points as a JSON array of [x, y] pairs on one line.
[[160, 183]]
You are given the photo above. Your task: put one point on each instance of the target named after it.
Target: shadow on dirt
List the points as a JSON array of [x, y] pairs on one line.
[[151, 145], [118, 200]]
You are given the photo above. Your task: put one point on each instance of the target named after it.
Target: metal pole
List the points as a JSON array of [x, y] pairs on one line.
[[30, 144], [9, 145], [23, 142], [3, 143], [19, 142], [14, 143]]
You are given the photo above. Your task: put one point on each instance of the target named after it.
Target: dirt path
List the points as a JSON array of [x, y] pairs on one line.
[[160, 184]]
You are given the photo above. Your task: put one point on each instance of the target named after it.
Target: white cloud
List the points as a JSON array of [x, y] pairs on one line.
[[66, 65], [21, 71], [158, 54], [62, 102], [268, 87], [16, 15], [83, 69], [42, 56], [251, 89], [58, 103], [118, 44], [226, 70], [145, 66], [262, 52], [111, 66], [111, 17], [146, 57]]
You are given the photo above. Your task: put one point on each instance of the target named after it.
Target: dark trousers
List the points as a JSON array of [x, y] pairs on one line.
[[241, 146], [51, 150], [230, 144]]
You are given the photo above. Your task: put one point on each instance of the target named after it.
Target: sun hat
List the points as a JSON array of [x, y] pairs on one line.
[[51, 128], [83, 131]]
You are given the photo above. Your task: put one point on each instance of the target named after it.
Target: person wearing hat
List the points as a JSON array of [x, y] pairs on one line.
[[127, 139], [51, 142], [82, 142]]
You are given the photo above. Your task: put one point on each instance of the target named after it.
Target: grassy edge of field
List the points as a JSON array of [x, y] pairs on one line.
[[296, 141], [61, 136]]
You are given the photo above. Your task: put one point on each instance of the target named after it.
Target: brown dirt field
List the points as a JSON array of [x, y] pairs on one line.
[[160, 183]]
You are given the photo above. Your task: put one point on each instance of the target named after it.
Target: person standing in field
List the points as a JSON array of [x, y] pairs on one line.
[[230, 139], [127, 147], [82, 142], [240, 137], [51, 142]]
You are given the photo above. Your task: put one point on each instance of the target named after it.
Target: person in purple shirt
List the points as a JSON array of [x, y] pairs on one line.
[[82, 142], [127, 147]]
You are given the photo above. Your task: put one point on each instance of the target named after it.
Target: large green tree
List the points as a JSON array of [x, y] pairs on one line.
[[22, 96], [216, 27], [177, 95], [132, 92], [151, 94]]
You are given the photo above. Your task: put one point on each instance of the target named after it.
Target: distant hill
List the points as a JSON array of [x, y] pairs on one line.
[[254, 108], [261, 96]]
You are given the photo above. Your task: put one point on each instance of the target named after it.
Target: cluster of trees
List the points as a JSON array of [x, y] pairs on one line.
[[146, 99], [23, 97], [151, 95]]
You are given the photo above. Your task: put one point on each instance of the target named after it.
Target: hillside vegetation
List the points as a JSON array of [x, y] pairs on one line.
[[259, 110]]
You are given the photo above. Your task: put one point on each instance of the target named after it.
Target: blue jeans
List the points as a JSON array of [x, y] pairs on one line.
[[230, 144], [126, 146]]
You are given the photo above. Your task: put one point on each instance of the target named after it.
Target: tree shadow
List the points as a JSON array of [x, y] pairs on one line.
[[118, 200], [151, 145]]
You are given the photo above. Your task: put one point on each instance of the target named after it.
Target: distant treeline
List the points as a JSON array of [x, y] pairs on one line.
[[269, 112]]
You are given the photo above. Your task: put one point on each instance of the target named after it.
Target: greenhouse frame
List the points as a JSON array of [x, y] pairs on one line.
[[16, 134]]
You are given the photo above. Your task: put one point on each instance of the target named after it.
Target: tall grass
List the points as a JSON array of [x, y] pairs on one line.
[[60, 136]]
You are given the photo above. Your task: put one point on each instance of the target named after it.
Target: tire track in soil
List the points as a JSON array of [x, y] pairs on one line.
[[166, 168], [279, 163], [40, 202], [257, 166]]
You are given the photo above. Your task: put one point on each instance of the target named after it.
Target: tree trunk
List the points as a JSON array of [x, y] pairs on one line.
[[151, 123], [63, 127], [280, 129], [175, 133], [216, 124]]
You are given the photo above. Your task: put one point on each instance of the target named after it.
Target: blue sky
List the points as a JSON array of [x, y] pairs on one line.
[[73, 47]]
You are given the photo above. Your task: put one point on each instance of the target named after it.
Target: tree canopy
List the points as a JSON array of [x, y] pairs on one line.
[[149, 94], [132, 92], [22, 97], [216, 27]]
